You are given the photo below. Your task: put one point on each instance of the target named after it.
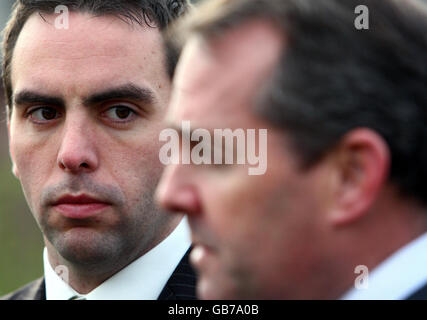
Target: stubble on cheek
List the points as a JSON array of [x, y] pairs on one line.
[[88, 240]]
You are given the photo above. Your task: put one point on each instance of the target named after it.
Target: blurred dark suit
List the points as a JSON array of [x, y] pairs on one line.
[[180, 286], [421, 294]]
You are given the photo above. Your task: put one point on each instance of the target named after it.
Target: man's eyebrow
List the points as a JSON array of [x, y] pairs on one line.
[[128, 91], [28, 96]]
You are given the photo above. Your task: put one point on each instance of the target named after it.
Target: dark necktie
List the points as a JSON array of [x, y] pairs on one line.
[[77, 297]]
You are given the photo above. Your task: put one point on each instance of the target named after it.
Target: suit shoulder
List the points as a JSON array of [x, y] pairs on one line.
[[420, 294], [32, 291], [182, 284]]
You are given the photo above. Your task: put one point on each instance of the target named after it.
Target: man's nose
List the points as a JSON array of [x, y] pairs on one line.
[[176, 194], [77, 152]]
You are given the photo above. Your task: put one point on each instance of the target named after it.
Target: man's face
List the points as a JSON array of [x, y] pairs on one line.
[[250, 232], [88, 105]]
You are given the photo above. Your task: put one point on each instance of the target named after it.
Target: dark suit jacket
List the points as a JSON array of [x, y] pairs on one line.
[[420, 294], [180, 286]]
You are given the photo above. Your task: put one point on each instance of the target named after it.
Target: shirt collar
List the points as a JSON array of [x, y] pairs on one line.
[[396, 278], [143, 279]]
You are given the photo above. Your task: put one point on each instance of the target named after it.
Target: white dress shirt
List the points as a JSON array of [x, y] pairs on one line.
[[143, 279], [399, 276]]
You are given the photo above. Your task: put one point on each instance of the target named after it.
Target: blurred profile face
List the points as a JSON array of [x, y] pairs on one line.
[[253, 234], [88, 105]]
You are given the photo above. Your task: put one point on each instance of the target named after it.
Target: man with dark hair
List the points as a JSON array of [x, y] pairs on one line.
[[341, 209], [87, 84]]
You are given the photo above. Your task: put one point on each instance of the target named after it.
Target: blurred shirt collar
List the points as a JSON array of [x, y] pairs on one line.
[[143, 279], [397, 277]]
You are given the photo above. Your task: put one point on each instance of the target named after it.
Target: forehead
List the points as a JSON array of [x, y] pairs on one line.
[[221, 78], [92, 52]]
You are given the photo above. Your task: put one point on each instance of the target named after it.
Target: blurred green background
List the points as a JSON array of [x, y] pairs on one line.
[[21, 244]]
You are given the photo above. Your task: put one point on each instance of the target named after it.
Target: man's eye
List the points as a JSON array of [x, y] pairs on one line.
[[120, 113], [44, 114]]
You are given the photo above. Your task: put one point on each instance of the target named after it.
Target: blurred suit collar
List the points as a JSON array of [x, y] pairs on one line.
[[143, 279]]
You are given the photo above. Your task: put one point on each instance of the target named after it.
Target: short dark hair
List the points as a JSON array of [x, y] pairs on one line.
[[333, 78], [153, 13]]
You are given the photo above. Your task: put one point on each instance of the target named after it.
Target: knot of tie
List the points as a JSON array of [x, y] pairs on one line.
[[77, 297]]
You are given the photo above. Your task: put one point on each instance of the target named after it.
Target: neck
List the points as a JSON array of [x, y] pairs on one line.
[[84, 277], [388, 227]]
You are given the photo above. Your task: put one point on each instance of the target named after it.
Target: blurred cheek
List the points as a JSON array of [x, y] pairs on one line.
[[244, 215], [137, 168], [231, 206]]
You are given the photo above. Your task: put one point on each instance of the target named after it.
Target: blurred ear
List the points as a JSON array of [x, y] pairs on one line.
[[361, 167], [12, 156]]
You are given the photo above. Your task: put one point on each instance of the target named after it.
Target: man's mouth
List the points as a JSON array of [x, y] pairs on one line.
[[79, 207]]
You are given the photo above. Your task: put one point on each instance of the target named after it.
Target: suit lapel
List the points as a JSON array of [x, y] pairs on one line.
[[40, 293], [33, 291], [182, 284], [420, 294]]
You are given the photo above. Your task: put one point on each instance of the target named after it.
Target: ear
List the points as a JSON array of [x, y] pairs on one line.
[[12, 156], [361, 165]]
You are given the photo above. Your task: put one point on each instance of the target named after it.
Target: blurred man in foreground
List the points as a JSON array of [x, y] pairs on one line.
[[87, 85], [341, 210]]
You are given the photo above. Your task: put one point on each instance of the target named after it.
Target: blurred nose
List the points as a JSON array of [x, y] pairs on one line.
[[77, 152], [175, 192]]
